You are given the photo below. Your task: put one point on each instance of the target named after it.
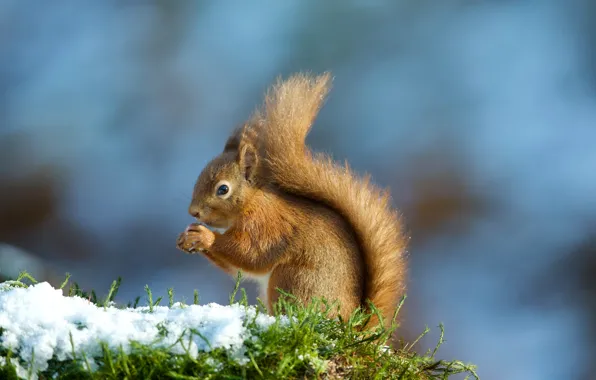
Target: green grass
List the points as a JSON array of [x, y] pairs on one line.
[[305, 344]]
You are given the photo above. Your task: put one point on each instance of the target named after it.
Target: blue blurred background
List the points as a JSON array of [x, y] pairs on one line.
[[480, 116]]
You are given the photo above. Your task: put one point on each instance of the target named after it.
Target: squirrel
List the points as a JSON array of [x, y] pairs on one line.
[[294, 219]]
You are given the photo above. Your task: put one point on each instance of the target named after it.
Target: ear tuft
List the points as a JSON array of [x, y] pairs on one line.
[[248, 160]]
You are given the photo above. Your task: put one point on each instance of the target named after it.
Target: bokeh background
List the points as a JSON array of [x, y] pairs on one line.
[[480, 116]]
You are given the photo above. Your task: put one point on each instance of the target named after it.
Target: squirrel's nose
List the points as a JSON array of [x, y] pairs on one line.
[[194, 211]]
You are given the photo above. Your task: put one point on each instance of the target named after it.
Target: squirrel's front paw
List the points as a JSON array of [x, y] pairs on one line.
[[196, 238]]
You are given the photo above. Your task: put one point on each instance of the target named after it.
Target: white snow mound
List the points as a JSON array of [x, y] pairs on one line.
[[40, 318]]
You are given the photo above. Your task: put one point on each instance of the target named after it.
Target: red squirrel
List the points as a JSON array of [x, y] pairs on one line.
[[294, 219]]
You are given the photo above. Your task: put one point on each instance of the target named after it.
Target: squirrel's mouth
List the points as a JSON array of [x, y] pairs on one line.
[[215, 227], [214, 223]]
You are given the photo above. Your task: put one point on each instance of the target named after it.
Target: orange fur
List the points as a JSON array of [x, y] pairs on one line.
[[313, 226]]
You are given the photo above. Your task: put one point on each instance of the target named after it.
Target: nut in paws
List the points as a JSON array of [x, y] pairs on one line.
[[196, 238]]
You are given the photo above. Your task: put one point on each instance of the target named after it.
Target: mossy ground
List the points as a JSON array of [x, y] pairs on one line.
[[307, 344]]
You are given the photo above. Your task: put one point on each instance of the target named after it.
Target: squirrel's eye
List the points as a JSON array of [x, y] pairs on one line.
[[223, 190]]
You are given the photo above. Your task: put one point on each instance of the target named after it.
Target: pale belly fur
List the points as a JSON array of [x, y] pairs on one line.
[[262, 281]]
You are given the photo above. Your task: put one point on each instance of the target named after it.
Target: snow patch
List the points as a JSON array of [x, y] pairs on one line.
[[40, 318]]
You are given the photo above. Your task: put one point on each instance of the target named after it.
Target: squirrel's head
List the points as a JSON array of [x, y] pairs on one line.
[[224, 186]]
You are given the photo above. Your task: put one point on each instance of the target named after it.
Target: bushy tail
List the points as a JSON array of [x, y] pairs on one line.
[[289, 111]]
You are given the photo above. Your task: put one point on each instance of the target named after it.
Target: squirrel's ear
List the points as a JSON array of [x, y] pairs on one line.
[[247, 159]]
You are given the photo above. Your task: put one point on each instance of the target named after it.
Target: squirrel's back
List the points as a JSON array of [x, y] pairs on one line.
[[286, 118]]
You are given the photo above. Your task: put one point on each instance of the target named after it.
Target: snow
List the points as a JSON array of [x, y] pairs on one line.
[[40, 318]]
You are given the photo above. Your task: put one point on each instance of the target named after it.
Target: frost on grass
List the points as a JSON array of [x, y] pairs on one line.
[[39, 324]]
